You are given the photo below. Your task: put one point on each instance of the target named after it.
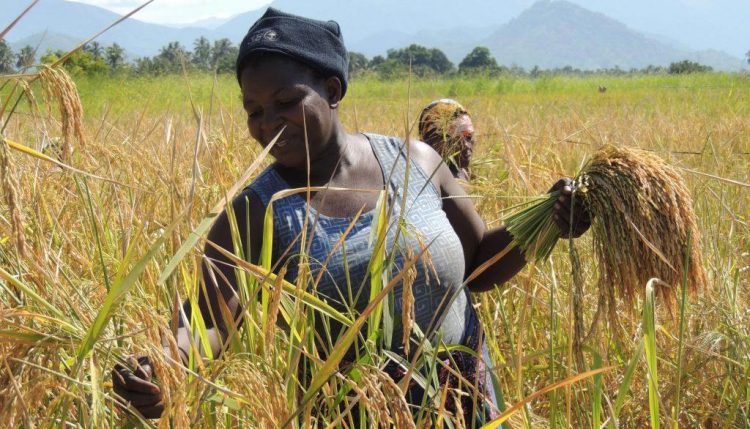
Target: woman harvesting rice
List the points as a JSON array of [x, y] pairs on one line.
[[293, 75], [446, 126]]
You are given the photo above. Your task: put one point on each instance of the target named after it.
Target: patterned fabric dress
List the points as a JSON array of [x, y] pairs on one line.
[[442, 307]]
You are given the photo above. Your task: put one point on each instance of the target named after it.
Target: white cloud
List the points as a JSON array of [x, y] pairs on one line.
[[179, 11]]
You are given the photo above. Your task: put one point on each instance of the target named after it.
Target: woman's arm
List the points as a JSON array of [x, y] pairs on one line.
[[218, 301], [479, 243]]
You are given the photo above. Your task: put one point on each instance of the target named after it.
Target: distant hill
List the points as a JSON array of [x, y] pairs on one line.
[[78, 21], [558, 33], [719, 60], [546, 33], [44, 41], [362, 19]]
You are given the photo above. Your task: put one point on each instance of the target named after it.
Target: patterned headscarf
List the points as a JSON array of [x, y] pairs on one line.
[[437, 117]]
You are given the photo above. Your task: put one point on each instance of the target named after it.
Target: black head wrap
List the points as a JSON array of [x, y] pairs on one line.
[[318, 44]]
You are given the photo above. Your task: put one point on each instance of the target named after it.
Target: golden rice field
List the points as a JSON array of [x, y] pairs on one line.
[[85, 258]]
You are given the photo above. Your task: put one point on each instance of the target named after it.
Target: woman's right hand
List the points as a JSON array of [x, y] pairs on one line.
[[135, 387]]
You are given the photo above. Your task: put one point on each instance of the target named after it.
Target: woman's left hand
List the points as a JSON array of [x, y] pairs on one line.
[[564, 211]]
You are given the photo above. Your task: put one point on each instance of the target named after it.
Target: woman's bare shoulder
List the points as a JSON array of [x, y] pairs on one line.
[[430, 161]]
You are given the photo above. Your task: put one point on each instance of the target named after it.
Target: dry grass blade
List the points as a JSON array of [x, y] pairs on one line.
[[18, 18], [85, 42], [568, 381], [38, 155], [715, 177]]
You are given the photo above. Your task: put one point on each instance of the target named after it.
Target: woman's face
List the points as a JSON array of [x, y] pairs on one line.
[[456, 140], [461, 130], [279, 92]]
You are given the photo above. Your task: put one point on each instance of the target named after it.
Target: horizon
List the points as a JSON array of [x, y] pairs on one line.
[[517, 32], [702, 24]]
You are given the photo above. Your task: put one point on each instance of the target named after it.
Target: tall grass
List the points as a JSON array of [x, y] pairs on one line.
[[62, 327]]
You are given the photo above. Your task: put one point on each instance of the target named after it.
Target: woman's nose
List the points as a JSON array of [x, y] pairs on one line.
[[271, 122]]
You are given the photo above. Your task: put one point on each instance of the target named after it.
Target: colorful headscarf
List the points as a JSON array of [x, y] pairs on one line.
[[437, 117]]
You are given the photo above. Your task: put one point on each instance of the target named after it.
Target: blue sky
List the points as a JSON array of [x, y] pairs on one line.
[[179, 11], [697, 24]]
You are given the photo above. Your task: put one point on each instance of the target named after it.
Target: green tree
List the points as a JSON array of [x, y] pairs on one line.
[[81, 62], [376, 61], [202, 54], [224, 56], [748, 56], [479, 59], [95, 49], [144, 66], [422, 61], [25, 58], [687, 66], [171, 58], [6, 58], [357, 63], [115, 56]]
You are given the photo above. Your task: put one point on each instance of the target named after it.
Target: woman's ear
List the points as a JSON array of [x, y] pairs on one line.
[[334, 90]]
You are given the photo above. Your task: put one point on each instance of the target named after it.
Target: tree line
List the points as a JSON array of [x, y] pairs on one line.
[[95, 59], [219, 57]]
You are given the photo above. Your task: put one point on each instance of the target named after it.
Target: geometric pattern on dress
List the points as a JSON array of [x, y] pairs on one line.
[[423, 222]]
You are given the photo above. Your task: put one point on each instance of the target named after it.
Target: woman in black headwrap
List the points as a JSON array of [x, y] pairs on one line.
[[293, 75]]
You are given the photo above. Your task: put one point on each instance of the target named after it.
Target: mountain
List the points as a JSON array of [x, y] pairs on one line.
[[361, 20], [78, 21], [699, 24], [44, 41], [553, 34], [546, 33]]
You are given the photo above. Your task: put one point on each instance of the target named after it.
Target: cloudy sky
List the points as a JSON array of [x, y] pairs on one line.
[[179, 11]]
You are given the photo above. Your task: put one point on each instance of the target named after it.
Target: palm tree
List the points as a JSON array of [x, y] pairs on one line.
[[6, 58], [171, 58], [94, 48], [202, 53], [115, 56], [25, 58]]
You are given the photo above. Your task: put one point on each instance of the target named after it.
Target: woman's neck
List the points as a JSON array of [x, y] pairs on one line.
[[341, 153]]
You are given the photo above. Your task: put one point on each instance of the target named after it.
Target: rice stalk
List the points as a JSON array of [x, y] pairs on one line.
[[407, 304], [627, 380], [10, 190], [649, 339], [636, 199], [273, 308], [596, 400], [681, 340], [377, 401], [60, 88], [402, 416]]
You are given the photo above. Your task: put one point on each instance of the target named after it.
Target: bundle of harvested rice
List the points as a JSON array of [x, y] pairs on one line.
[[643, 223]]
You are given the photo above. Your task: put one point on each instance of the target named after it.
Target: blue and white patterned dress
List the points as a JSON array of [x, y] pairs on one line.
[[413, 224]]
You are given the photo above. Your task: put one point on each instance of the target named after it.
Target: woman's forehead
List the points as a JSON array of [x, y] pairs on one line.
[[460, 126], [273, 73]]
